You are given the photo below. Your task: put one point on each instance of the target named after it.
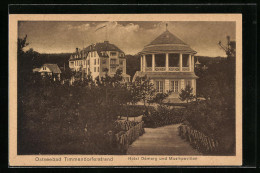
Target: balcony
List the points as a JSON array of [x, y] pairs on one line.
[[160, 69], [185, 68], [148, 69], [174, 68], [114, 65]]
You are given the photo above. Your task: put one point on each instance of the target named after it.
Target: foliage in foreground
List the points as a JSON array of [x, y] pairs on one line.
[[162, 116]]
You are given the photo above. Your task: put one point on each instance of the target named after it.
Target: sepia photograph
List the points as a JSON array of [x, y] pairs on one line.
[[160, 91]]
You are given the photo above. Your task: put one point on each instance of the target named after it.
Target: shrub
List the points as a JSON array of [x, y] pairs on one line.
[[133, 110], [186, 94], [163, 116], [214, 122]]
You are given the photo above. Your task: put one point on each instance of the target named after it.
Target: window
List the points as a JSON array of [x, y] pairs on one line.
[[98, 61], [94, 69], [175, 86], [121, 62], [159, 86], [113, 69], [103, 53], [98, 69], [104, 69], [94, 61], [94, 54], [188, 82], [113, 61], [88, 62], [112, 53], [104, 61]]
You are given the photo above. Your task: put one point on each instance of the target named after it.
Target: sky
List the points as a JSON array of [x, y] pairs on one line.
[[130, 37]]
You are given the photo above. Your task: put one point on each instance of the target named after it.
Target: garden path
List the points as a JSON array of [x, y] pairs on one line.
[[161, 141]]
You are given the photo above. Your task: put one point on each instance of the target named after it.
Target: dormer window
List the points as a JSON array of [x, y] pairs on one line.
[[112, 53], [103, 53], [122, 55]]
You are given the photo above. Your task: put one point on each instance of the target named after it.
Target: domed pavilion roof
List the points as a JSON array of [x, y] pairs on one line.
[[167, 42]]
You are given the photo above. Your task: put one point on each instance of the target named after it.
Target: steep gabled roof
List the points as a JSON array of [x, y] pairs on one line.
[[99, 47], [105, 46], [53, 68]]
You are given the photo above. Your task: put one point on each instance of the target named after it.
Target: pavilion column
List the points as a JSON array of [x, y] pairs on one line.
[[153, 62], [190, 61], [144, 63], [167, 62], [180, 61], [141, 63]]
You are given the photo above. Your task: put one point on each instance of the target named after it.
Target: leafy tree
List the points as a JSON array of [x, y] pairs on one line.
[[134, 92], [215, 116], [66, 74], [145, 89], [186, 94], [21, 43]]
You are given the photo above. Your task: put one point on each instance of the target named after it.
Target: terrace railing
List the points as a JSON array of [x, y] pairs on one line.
[[174, 68], [148, 69], [160, 69], [185, 68]]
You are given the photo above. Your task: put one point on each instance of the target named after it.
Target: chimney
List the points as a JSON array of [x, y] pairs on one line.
[[77, 50]]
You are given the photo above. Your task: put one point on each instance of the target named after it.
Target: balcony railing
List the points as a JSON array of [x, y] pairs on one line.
[[160, 68], [114, 65], [185, 68], [148, 69], [169, 69], [174, 68]]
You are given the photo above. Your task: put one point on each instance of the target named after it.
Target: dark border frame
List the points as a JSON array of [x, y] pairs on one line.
[[249, 15]]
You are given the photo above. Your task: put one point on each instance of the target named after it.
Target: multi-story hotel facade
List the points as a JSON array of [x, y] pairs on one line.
[[169, 63], [99, 59]]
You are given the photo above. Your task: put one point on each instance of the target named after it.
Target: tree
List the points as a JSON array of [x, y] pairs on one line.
[[134, 93], [21, 43], [144, 89], [186, 94]]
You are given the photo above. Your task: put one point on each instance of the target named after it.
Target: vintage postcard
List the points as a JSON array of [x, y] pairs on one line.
[[125, 89]]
